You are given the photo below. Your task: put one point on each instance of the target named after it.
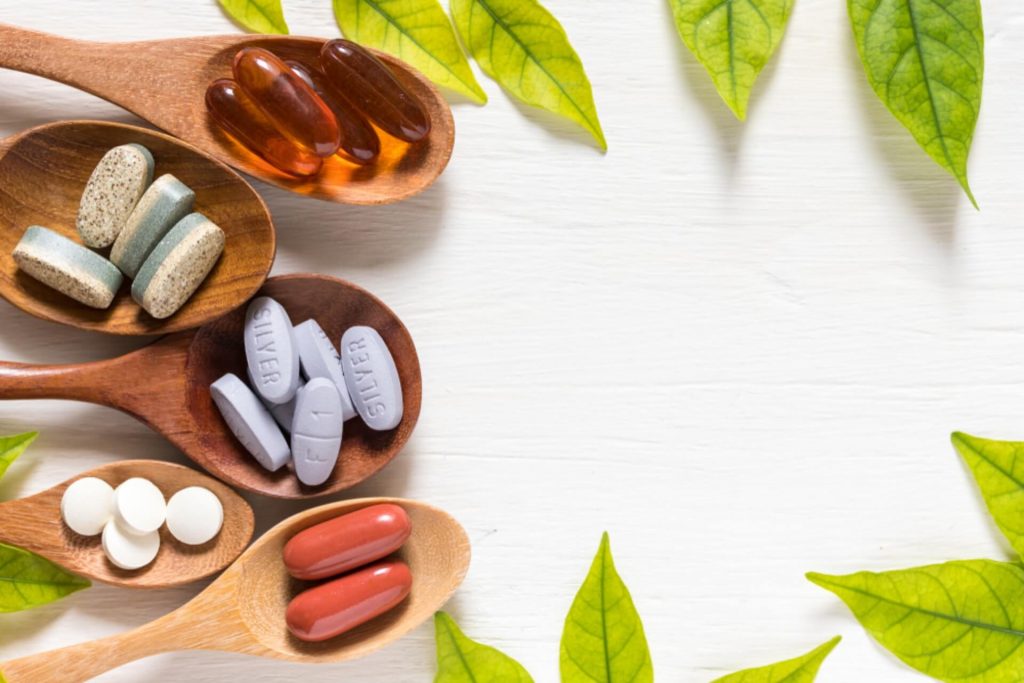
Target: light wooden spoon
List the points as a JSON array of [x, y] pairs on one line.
[[243, 610], [34, 523], [167, 386], [43, 172], [165, 81]]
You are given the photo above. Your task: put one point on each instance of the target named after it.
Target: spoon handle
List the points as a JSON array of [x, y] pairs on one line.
[[82, 382]]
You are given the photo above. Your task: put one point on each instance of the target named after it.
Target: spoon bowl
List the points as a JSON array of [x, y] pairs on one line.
[[244, 609], [33, 523], [43, 172], [165, 82]]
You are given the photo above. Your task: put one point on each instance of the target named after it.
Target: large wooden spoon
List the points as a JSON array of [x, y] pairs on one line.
[[243, 610], [43, 172], [166, 385], [165, 81], [34, 523]]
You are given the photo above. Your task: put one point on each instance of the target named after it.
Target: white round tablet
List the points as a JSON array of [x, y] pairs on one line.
[[194, 515], [129, 551], [139, 507], [87, 505]]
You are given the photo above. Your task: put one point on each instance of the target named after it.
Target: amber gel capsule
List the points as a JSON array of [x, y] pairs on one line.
[[359, 141], [298, 112], [368, 84], [237, 114]]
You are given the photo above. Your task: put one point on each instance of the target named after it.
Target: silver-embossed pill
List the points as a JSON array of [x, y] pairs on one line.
[[270, 350], [371, 377], [284, 412], [316, 431], [113, 190], [250, 422], [319, 358]]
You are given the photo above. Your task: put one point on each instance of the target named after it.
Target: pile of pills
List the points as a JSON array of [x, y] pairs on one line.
[[149, 226], [302, 385], [130, 516]]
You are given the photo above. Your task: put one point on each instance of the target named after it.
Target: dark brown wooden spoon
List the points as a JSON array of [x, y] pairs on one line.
[[165, 81], [166, 385], [43, 172]]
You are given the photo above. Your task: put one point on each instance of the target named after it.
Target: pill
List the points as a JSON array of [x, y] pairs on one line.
[[250, 422], [127, 550], [139, 506], [113, 190], [194, 515], [284, 413], [346, 542], [316, 431], [371, 378], [298, 112], [87, 505], [68, 267], [369, 86], [166, 202], [319, 358], [178, 265], [337, 606], [271, 351]]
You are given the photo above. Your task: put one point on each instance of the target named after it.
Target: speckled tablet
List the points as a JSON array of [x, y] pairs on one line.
[[68, 267], [319, 358], [250, 422], [316, 431], [113, 190], [166, 202]]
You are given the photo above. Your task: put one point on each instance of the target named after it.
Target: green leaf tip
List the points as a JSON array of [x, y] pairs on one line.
[[802, 669], [462, 660], [258, 16], [28, 580], [998, 470], [13, 446]]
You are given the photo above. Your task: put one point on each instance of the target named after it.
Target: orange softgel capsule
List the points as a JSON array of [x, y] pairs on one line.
[[359, 141], [238, 115], [297, 112], [369, 86]]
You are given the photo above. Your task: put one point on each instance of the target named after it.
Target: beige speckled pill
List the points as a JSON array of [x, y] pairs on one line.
[[113, 190], [166, 202], [178, 265], [68, 267]]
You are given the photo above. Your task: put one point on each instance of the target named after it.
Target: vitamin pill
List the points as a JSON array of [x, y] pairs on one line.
[[250, 422], [371, 378], [87, 505], [68, 267], [178, 265], [139, 507], [369, 86], [319, 358], [271, 351], [127, 550], [332, 608], [284, 413], [238, 115], [316, 431], [166, 202], [194, 515], [359, 142], [346, 542], [113, 190], [297, 112]]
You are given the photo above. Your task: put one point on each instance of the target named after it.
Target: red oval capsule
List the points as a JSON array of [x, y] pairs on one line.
[[332, 608], [346, 542], [238, 115], [299, 114], [368, 84]]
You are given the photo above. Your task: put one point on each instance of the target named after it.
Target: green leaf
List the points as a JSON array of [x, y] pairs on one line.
[[27, 580], [603, 640], [417, 31], [960, 621], [998, 467], [522, 46], [803, 669], [461, 660], [733, 39], [13, 446], [925, 60], [259, 16]]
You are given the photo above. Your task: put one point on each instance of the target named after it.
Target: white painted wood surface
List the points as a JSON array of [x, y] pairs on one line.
[[738, 348]]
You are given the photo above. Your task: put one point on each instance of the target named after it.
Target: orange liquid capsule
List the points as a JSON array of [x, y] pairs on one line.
[[298, 112], [359, 141], [369, 86], [238, 115]]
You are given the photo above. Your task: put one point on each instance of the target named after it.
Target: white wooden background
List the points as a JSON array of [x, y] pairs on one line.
[[738, 348]]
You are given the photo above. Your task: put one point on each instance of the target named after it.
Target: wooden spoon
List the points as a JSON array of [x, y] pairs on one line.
[[243, 610], [43, 172], [34, 523], [166, 385], [165, 81]]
